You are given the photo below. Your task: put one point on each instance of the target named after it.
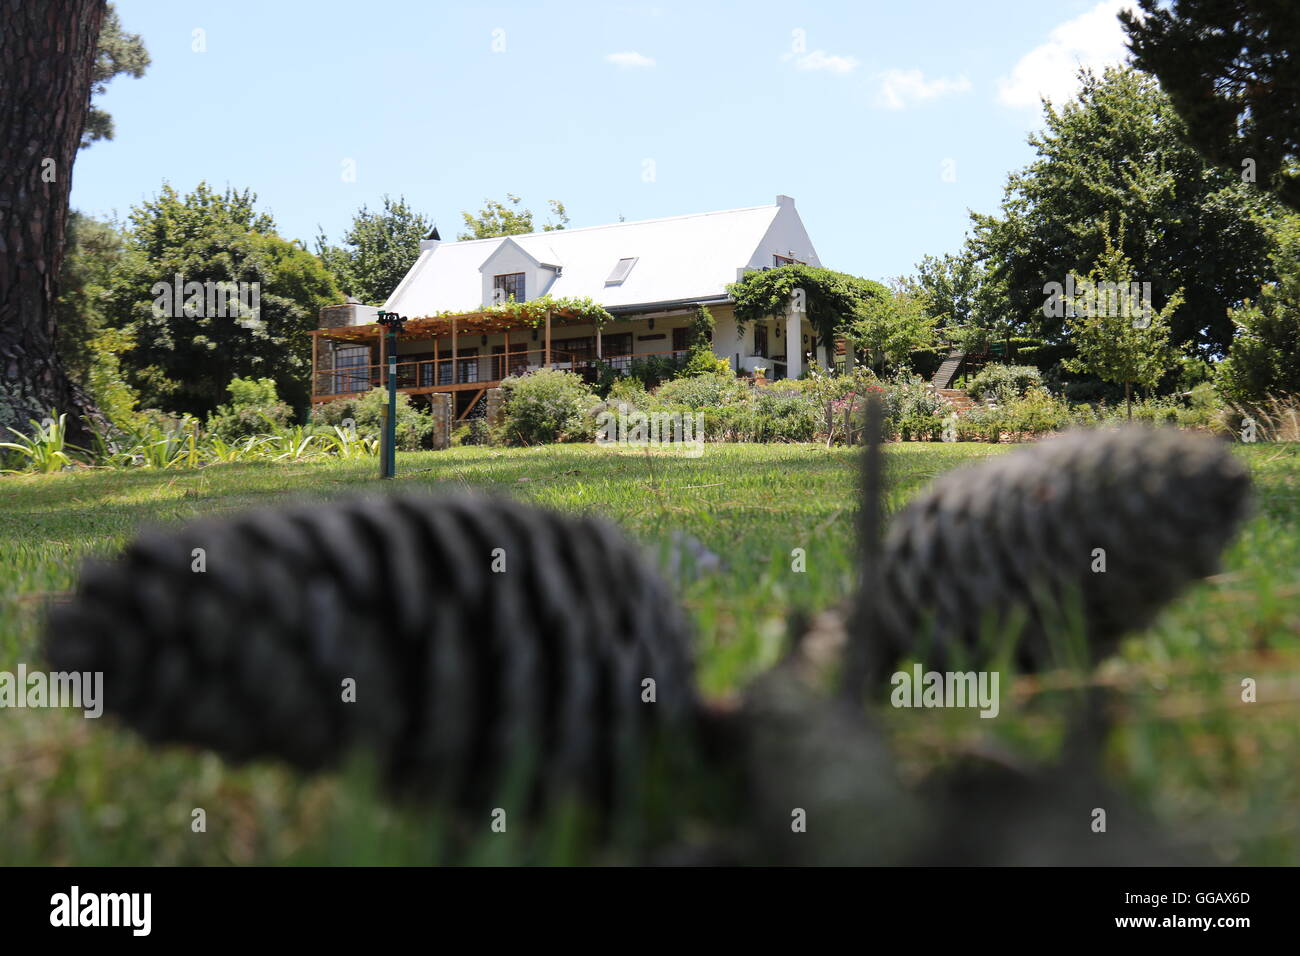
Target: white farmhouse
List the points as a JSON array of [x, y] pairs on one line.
[[650, 276]]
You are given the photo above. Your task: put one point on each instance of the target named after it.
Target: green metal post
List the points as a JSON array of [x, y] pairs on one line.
[[388, 451], [390, 431]]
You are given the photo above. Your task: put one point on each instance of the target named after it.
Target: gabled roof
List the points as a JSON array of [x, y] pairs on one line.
[[539, 257], [679, 258]]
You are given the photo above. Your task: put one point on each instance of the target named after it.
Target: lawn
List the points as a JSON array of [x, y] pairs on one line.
[[1219, 772]]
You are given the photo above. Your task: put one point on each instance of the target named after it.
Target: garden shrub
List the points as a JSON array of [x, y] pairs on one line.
[[702, 361], [654, 370], [920, 427], [763, 415], [547, 406], [909, 397], [628, 391], [1037, 412], [1004, 382], [414, 425], [784, 416], [702, 391], [254, 409], [1203, 407]]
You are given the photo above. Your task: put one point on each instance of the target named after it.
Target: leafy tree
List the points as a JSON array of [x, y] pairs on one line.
[[498, 219], [949, 283], [967, 303], [890, 327], [119, 53], [1119, 340], [831, 300], [1117, 152], [1232, 71], [1265, 356], [186, 351], [94, 251], [89, 348], [378, 250]]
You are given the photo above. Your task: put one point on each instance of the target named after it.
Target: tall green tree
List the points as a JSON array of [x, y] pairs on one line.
[[966, 301], [89, 346], [499, 219], [186, 350], [378, 250], [95, 251], [1265, 356], [1116, 152], [1120, 338], [1232, 71]]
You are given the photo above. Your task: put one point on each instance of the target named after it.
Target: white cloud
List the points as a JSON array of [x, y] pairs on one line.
[[821, 60], [1094, 39], [630, 60], [902, 88]]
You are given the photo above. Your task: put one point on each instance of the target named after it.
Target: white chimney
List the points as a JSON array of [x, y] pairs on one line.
[[431, 240]]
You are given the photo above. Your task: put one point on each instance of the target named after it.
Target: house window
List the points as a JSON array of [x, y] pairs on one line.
[[679, 339], [779, 261], [467, 368], [574, 350], [507, 287], [352, 369], [760, 340], [617, 350], [514, 363]]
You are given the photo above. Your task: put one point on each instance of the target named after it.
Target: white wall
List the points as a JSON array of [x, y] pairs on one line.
[[785, 235], [509, 258]]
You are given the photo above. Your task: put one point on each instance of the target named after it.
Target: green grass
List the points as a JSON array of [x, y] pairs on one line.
[[88, 792]]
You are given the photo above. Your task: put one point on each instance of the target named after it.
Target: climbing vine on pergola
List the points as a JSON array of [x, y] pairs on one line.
[[832, 300]]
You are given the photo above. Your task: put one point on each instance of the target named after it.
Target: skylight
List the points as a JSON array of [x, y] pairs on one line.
[[621, 270]]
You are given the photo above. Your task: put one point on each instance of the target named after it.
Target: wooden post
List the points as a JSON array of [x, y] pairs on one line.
[[315, 345], [383, 356], [454, 347], [437, 371], [504, 370], [547, 363], [600, 351]]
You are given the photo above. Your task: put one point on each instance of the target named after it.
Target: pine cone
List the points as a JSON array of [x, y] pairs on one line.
[[464, 675], [1009, 547], [820, 779]]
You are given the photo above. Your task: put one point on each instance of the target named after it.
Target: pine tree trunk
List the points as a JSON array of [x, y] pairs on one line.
[[47, 50], [1128, 398]]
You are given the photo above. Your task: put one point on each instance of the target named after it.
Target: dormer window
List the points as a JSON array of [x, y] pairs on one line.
[[790, 260], [621, 269], [507, 287]]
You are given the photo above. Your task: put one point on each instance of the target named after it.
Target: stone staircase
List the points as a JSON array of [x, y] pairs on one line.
[[944, 375], [957, 399]]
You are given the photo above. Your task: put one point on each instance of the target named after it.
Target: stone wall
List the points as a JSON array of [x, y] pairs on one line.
[[440, 407]]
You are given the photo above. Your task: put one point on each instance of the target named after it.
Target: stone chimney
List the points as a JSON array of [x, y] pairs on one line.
[[351, 312]]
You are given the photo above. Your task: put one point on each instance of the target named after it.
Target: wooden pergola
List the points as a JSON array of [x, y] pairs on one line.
[[434, 327]]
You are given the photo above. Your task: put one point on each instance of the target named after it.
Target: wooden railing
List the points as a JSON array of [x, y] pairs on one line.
[[469, 372]]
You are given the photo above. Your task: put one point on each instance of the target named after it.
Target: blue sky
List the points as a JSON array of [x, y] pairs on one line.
[[886, 121]]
